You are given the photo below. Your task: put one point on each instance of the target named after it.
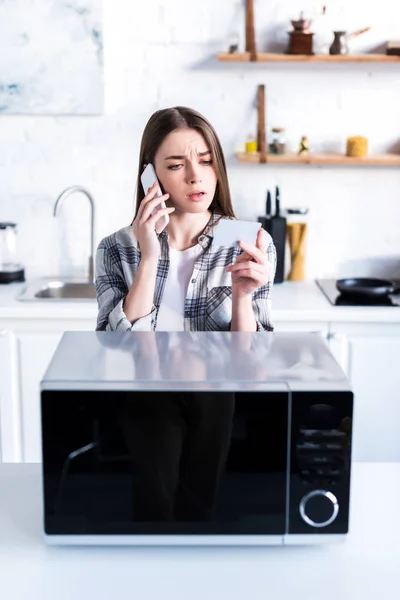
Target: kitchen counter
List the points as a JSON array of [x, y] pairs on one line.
[[11, 308], [291, 301], [366, 565]]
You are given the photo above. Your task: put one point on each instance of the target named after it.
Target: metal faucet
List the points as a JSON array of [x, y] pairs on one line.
[[61, 197]]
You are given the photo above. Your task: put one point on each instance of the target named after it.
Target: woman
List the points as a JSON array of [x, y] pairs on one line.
[[177, 280]]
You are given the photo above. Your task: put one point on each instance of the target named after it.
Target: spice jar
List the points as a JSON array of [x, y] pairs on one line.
[[357, 146], [251, 144], [277, 144]]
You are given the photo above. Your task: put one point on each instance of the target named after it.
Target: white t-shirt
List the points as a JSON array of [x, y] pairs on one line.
[[172, 307]]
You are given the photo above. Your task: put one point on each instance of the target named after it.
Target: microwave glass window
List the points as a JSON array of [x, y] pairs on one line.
[[204, 462]]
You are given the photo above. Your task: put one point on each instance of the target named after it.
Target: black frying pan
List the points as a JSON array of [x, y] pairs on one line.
[[363, 286]]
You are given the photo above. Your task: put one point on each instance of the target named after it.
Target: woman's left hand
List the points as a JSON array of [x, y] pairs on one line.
[[250, 271]]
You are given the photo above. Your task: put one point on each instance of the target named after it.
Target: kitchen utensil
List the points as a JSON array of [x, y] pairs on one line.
[[365, 286], [341, 39], [268, 205], [275, 225], [10, 268], [357, 33], [329, 288], [277, 202], [300, 210], [339, 44]]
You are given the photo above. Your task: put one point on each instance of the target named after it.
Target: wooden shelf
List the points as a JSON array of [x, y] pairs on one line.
[[304, 58], [322, 159]]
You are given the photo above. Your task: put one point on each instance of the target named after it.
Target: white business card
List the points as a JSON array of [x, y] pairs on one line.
[[229, 232]]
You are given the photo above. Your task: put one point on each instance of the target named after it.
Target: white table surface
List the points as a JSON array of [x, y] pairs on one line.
[[366, 566]]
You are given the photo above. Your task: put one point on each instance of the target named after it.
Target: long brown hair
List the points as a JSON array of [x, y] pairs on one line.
[[163, 122]]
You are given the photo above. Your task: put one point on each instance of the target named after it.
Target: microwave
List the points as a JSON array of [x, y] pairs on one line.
[[209, 438]]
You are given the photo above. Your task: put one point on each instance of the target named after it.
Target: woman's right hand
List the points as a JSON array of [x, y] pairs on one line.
[[144, 223]]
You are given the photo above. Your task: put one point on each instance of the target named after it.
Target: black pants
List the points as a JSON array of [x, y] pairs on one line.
[[178, 444]]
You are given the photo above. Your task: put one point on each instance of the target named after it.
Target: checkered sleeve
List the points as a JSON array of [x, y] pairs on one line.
[[261, 300], [111, 290]]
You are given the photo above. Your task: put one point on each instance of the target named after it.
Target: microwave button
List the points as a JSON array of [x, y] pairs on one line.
[[320, 459], [323, 433], [321, 472], [319, 508], [333, 433], [333, 446], [308, 432], [333, 473], [308, 446]]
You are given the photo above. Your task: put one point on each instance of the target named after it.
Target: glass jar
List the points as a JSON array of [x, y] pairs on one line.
[[8, 245], [277, 145], [296, 231], [10, 268], [233, 44], [251, 144]]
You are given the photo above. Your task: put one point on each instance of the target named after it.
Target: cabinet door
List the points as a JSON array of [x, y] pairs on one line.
[[10, 414], [339, 346], [35, 350], [369, 354]]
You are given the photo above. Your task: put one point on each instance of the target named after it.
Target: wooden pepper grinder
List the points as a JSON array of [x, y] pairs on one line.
[[296, 234]]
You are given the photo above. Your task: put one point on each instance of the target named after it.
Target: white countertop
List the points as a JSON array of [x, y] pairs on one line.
[[12, 308], [291, 301], [366, 566]]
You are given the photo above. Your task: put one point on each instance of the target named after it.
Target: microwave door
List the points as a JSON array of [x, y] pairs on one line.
[[165, 463]]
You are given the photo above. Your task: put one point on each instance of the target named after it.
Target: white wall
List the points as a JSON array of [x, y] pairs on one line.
[[160, 54]]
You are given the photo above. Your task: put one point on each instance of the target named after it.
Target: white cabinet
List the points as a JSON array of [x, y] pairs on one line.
[[369, 353], [26, 349], [35, 353], [10, 414]]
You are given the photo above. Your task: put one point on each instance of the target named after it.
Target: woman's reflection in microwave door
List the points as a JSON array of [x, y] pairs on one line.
[[178, 444]]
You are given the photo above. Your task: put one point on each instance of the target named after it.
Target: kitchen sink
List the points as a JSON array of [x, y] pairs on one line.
[[58, 290]]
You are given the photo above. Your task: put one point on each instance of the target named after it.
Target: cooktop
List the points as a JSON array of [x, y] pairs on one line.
[[328, 287]]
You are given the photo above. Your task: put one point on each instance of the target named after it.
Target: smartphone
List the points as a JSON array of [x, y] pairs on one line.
[[148, 178]]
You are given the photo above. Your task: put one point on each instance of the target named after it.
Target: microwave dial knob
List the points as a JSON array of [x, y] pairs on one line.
[[319, 508]]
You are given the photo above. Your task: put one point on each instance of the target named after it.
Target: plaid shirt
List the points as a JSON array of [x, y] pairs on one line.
[[208, 304]]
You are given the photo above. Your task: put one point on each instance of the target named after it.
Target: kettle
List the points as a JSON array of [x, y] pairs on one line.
[[10, 268], [341, 39]]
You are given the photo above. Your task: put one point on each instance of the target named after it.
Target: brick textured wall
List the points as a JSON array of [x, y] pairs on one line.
[[160, 54]]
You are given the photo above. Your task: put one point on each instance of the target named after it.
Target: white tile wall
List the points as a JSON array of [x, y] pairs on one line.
[[51, 57], [160, 54]]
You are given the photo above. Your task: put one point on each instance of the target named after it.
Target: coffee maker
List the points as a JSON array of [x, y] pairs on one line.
[[10, 267]]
